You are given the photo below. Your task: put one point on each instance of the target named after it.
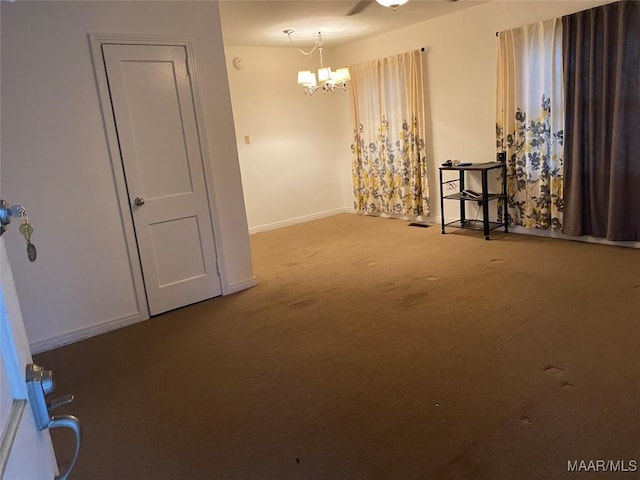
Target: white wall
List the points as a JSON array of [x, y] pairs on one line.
[[297, 166], [460, 61], [55, 159], [297, 163]]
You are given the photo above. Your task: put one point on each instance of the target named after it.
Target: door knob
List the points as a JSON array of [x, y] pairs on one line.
[[6, 212], [139, 201]]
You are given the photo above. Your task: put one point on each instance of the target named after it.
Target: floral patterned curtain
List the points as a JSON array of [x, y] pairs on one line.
[[388, 163], [530, 123]]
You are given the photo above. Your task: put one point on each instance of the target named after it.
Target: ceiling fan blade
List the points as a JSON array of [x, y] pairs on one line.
[[359, 7]]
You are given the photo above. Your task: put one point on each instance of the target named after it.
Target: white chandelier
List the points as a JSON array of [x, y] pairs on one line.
[[392, 3], [328, 80]]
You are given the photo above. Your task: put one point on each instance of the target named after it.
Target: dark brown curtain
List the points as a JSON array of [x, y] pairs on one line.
[[602, 124]]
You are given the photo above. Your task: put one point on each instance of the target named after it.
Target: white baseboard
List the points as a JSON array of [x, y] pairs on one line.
[[586, 238], [536, 232], [113, 324], [293, 221], [84, 333], [239, 286]]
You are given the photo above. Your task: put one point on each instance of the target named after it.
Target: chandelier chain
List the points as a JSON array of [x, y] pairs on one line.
[[317, 46]]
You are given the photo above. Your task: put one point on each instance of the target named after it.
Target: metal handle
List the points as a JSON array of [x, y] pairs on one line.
[[40, 383], [139, 201], [58, 402], [71, 422]]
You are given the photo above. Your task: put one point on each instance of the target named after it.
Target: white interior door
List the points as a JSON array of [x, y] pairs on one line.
[[25, 451], [153, 108]]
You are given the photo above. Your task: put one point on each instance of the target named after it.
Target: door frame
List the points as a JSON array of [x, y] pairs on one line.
[[96, 41]]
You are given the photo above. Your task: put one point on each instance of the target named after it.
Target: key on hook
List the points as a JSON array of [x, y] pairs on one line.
[[26, 229]]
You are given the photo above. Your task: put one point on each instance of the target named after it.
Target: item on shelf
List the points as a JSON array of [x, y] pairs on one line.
[[471, 193]]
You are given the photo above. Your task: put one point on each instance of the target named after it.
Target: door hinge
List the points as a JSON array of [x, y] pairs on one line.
[[186, 62]]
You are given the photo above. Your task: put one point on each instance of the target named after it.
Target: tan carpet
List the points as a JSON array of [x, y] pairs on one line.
[[374, 350]]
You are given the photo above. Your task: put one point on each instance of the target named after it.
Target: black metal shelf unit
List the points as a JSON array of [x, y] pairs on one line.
[[485, 197]]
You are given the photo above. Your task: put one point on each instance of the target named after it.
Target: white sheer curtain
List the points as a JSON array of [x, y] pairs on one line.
[[530, 122], [389, 168]]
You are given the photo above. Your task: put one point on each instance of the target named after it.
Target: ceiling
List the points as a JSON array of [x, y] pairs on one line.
[[260, 23]]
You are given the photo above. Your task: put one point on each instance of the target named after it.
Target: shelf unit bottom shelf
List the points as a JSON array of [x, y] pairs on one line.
[[473, 225]]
